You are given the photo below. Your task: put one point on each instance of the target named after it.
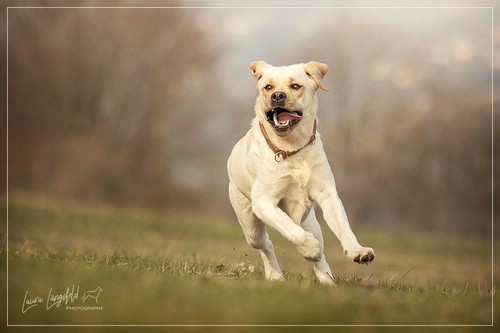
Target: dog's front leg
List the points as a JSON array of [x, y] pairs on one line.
[[265, 207], [336, 218]]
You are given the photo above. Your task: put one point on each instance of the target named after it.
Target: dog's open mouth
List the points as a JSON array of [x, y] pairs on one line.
[[282, 119]]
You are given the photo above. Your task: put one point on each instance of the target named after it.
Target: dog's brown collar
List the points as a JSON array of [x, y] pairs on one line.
[[281, 155]]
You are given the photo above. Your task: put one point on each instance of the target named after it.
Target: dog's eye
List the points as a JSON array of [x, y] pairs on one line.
[[296, 86], [268, 87]]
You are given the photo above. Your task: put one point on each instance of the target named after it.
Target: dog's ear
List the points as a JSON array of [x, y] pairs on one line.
[[316, 71], [256, 68]]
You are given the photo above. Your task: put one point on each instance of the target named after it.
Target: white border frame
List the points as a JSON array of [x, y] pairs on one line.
[[250, 7]]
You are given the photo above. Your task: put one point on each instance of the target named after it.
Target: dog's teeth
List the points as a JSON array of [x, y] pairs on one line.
[[277, 123], [275, 118]]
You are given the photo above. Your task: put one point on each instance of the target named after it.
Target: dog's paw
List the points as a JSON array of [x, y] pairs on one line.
[[275, 277], [362, 255], [310, 248], [272, 274], [325, 277]]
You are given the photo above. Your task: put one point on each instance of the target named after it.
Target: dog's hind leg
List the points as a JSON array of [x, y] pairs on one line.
[[321, 267], [255, 233]]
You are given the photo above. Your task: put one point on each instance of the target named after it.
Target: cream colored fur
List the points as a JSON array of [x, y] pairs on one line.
[[264, 192]]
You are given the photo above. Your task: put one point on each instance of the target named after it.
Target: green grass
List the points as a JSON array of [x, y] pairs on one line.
[[198, 270]]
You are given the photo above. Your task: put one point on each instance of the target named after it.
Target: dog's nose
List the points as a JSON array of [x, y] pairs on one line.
[[278, 98]]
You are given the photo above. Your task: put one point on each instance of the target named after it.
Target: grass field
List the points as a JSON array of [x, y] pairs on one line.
[[198, 270]]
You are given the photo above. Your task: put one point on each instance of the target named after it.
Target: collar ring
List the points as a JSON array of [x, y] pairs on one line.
[[280, 156]]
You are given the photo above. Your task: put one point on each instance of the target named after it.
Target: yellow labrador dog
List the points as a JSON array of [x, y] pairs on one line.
[[279, 169]]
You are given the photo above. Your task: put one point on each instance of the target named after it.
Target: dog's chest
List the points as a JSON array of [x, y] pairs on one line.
[[295, 200], [297, 180], [299, 174]]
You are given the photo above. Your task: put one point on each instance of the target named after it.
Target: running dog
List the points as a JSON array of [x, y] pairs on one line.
[[279, 169]]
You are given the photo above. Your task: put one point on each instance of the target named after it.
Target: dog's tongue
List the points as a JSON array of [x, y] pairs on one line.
[[284, 116]]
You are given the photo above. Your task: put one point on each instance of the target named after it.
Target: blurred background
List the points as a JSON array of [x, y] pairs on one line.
[[141, 107]]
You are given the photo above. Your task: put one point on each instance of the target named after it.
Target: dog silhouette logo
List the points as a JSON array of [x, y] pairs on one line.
[[92, 294]]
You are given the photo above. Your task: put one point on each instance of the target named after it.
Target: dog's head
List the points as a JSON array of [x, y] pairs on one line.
[[287, 94]]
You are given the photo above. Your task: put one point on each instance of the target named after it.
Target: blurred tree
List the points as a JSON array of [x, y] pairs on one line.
[[410, 142], [100, 98], [124, 105]]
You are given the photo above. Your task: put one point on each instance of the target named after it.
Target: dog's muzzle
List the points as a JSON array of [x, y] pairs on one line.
[[281, 119]]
